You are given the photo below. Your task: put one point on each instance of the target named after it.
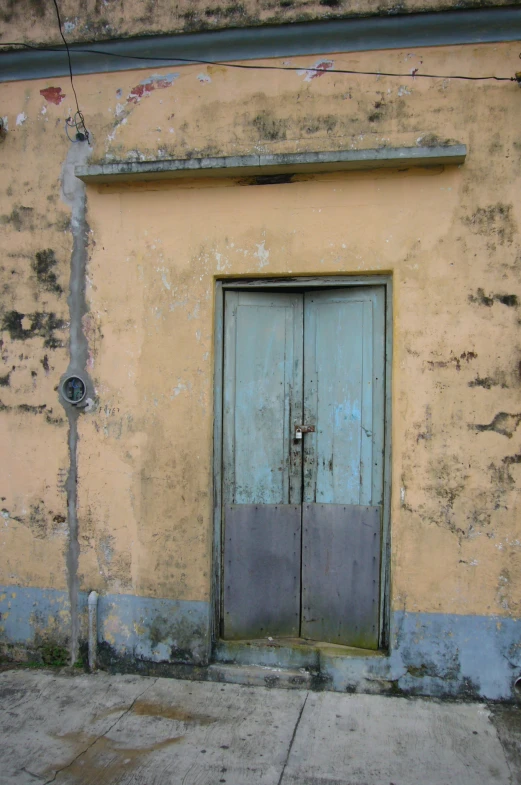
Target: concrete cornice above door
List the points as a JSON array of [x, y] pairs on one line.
[[273, 165]]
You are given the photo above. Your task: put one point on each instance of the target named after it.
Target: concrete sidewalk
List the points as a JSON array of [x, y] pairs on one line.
[[134, 730]]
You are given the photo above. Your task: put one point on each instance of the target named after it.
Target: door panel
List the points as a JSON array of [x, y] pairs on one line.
[[262, 465], [262, 570], [340, 574], [302, 517], [262, 394], [344, 395]]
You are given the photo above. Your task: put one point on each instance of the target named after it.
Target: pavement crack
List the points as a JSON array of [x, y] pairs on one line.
[[89, 746], [31, 774], [301, 712]]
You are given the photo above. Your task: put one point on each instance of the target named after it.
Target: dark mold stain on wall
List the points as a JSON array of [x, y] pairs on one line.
[[433, 140], [269, 127], [313, 124], [488, 300], [378, 112], [20, 218], [42, 522], [496, 220], [11, 8], [41, 323], [179, 634], [43, 264], [503, 423], [511, 459], [227, 11], [487, 382], [455, 361], [26, 408]]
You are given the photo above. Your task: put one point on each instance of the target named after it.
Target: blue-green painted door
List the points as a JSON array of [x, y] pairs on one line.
[[344, 395], [344, 363], [301, 536]]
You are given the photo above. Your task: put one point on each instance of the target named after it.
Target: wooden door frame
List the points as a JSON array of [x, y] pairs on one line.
[[300, 283]]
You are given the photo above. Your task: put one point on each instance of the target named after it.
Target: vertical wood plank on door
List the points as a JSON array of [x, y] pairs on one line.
[[344, 362], [343, 396], [262, 472], [262, 394]]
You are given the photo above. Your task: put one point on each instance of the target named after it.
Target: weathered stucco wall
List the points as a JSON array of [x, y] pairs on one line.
[[34, 21], [449, 237], [34, 274]]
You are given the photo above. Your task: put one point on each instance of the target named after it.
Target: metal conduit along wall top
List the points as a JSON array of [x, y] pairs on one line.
[[442, 28]]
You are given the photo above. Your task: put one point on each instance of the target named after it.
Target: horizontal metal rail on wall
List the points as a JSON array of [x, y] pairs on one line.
[[443, 28]]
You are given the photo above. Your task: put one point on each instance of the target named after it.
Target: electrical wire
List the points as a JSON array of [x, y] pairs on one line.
[[78, 121], [414, 74]]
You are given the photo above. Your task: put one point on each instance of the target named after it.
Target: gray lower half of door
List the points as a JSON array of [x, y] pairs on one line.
[[262, 570], [340, 574]]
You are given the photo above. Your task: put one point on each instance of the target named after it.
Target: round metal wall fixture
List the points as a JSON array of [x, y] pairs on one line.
[[74, 389]]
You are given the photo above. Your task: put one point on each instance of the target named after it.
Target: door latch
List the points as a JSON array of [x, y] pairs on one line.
[[300, 429]]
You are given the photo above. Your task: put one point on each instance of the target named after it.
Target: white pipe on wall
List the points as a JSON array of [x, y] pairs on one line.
[[93, 629]]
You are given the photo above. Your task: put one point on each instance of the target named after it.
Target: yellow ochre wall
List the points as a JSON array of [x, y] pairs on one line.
[[448, 235]]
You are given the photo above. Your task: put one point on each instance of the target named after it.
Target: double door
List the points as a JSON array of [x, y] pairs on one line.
[[303, 437]]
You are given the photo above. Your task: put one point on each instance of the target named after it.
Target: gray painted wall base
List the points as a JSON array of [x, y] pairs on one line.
[[155, 630], [129, 627], [431, 653]]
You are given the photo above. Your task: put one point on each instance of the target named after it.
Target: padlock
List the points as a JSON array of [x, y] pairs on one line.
[[298, 433]]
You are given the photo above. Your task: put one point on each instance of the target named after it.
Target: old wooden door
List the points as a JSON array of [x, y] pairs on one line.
[[303, 431]]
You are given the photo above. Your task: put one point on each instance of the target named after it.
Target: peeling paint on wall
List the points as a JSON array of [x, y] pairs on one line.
[[147, 86], [317, 70], [54, 95]]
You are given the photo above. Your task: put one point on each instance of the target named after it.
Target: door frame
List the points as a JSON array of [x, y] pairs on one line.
[[299, 283]]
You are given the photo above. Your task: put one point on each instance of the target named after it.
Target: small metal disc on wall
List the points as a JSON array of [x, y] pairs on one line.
[[74, 389]]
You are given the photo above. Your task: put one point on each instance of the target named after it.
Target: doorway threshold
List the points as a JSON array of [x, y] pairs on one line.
[[289, 653]]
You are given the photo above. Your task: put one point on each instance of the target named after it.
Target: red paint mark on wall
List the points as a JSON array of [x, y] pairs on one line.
[[319, 69], [324, 65], [53, 94], [147, 86]]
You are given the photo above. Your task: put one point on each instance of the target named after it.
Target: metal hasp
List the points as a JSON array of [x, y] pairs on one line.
[[340, 574], [262, 570], [300, 429]]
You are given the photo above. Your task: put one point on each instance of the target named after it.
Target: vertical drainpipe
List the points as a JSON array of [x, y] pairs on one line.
[[73, 194], [93, 630]]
